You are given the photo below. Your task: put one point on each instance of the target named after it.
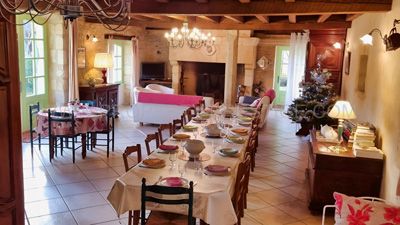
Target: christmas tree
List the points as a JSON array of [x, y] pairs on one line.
[[316, 99]]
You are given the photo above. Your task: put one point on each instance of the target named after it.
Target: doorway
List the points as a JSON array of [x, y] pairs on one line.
[[281, 75], [32, 53]]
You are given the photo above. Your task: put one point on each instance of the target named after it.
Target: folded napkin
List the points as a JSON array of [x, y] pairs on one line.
[[168, 147], [217, 168], [174, 181]]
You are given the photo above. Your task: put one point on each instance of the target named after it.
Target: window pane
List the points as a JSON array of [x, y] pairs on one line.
[[39, 67], [28, 67], [39, 48], [40, 86], [28, 48], [28, 30], [283, 82], [285, 56], [119, 63], [38, 31], [29, 87], [117, 50], [284, 71]]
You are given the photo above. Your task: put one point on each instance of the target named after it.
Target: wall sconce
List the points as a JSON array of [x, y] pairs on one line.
[[391, 41], [92, 37]]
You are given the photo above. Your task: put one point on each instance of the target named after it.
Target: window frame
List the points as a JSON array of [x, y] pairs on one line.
[[115, 57]]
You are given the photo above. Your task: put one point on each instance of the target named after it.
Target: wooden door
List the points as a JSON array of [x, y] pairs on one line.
[[11, 186]]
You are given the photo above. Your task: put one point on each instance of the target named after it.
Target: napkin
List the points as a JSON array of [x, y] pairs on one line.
[[168, 147], [174, 181], [216, 168]]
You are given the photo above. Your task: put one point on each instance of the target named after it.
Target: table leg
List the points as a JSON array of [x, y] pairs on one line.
[[136, 216], [203, 223], [83, 140]]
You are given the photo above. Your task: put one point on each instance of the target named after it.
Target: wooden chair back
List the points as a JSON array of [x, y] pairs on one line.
[[202, 105], [128, 151], [180, 192], [150, 138], [238, 198], [176, 125], [190, 113], [183, 118], [161, 128]]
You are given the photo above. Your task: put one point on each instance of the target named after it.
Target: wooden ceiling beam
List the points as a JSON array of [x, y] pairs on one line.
[[352, 17], [213, 19], [264, 19], [162, 24], [271, 8], [292, 18], [163, 1], [177, 17], [236, 19], [201, 1], [322, 18], [244, 1], [290, 0], [157, 17]]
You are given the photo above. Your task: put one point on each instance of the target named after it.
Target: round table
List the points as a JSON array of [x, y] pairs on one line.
[[87, 119]]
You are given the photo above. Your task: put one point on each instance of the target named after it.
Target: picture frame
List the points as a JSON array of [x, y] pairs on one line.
[[347, 60], [81, 57]]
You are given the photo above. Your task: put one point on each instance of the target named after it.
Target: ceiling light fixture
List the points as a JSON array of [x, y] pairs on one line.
[[113, 14], [391, 41], [337, 45], [193, 38]]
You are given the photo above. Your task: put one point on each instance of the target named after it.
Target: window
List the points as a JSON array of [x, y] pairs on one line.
[[284, 69], [117, 63], [34, 59]]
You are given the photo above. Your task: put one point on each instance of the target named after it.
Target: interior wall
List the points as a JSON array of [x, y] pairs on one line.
[[380, 103], [153, 47], [266, 47]]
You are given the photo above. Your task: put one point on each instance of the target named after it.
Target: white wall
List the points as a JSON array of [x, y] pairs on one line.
[[380, 103]]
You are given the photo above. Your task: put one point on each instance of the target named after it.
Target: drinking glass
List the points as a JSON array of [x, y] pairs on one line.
[[172, 159], [182, 169], [195, 133]]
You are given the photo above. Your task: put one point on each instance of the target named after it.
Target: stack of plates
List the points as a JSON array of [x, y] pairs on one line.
[[180, 137], [189, 127], [217, 170], [228, 152], [235, 139], [240, 131]]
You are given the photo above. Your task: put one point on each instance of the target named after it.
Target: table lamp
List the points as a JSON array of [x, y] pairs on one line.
[[341, 110], [103, 61]]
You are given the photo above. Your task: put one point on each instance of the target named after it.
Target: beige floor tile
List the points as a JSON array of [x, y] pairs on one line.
[[277, 181], [65, 218], [271, 216], [76, 188], [282, 158], [100, 173], [297, 209], [41, 193], [93, 215], [103, 184], [299, 191], [84, 200], [316, 220], [254, 202], [275, 197], [92, 165], [45, 207], [36, 182], [68, 178]]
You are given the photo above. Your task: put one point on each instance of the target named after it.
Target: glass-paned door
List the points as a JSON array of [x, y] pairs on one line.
[[281, 74], [117, 69], [33, 67]]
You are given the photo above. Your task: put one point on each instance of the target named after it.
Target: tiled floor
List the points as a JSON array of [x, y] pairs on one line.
[[62, 193]]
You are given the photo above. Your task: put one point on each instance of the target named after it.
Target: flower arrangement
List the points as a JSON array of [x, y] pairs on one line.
[[93, 77]]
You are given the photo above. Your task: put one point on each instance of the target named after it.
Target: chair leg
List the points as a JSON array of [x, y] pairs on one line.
[[112, 139], [40, 141], [55, 146], [108, 144], [51, 147], [31, 135], [73, 150], [130, 217]]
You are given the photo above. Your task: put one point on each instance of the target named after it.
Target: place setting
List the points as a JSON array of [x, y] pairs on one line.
[[153, 163], [217, 170]]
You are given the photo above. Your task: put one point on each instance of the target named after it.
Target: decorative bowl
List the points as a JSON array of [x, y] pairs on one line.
[[212, 130], [194, 147]]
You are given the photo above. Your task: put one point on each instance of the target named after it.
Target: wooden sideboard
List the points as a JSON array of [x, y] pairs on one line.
[[328, 172], [104, 95]]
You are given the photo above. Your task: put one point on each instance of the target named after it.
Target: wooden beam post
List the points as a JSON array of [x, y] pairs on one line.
[[322, 18], [231, 67], [264, 19], [237, 19], [292, 18]]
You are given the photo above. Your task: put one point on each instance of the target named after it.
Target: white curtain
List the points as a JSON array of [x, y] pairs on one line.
[[73, 84], [135, 66], [297, 64], [110, 71]]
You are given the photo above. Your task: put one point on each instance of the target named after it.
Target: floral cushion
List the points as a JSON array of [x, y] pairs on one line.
[[356, 211]]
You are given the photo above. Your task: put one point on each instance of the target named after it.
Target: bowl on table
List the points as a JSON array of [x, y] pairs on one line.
[[194, 147], [231, 152], [212, 130], [189, 127]]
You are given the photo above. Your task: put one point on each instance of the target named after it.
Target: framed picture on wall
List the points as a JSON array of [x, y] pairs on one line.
[[347, 59], [81, 58]]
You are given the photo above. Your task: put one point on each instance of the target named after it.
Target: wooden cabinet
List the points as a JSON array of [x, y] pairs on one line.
[[11, 179], [321, 43], [328, 172], [104, 95]]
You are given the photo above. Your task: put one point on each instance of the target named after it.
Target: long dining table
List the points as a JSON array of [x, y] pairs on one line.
[[212, 194]]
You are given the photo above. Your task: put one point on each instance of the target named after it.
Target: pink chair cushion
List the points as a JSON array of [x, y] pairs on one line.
[[356, 211], [271, 94], [170, 99]]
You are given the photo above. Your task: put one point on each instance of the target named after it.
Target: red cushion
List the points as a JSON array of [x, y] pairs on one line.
[[271, 94]]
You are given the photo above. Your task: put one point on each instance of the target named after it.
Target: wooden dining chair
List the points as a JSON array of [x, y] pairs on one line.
[[202, 105], [176, 125], [149, 139], [184, 119], [130, 150], [151, 193], [238, 199], [109, 131], [251, 148], [161, 128], [190, 113], [68, 120], [34, 109]]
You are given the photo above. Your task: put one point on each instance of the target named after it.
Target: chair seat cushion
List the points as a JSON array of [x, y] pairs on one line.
[[164, 218]]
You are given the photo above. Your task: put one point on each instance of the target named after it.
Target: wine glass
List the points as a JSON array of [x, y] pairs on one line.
[[182, 169], [172, 159], [195, 133]]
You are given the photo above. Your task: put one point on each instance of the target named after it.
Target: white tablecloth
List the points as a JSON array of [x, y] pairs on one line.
[[212, 194]]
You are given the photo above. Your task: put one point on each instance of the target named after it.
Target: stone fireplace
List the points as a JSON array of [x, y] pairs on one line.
[[232, 48]]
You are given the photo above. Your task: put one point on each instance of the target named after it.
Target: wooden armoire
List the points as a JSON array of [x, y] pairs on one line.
[[11, 186], [321, 43]]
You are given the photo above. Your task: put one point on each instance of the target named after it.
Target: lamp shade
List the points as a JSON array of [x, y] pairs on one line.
[[367, 39], [342, 110], [103, 60]]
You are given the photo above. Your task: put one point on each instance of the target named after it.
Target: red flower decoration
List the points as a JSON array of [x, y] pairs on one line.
[[392, 214], [339, 203], [90, 123], [360, 216]]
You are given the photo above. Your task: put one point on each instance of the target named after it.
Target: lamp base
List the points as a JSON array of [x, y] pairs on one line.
[[104, 77], [337, 148]]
